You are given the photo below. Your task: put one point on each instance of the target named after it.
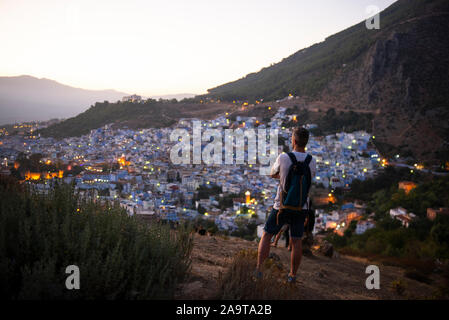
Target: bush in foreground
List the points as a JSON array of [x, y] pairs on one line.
[[119, 257]]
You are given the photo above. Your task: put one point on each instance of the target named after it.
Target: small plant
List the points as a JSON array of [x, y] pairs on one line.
[[398, 286]]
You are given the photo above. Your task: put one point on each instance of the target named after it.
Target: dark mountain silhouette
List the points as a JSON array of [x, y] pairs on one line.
[[400, 72], [26, 98]]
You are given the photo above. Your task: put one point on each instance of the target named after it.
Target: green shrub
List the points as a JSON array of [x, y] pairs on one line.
[[119, 257]]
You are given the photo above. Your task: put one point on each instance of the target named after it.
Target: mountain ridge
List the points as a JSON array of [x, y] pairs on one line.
[[399, 72], [34, 85], [398, 13], [28, 98]]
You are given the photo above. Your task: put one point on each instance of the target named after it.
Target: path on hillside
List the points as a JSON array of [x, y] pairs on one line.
[[320, 277]]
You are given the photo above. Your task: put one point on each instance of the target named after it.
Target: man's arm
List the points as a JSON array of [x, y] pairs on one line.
[[276, 168], [275, 176]]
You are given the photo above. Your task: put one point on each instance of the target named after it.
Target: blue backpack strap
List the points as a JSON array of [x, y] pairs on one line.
[[309, 175], [292, 157], [308, 159]]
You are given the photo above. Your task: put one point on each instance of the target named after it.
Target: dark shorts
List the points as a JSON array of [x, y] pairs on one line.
[[294, 219]]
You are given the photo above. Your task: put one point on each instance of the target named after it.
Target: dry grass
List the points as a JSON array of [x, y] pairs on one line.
[[238, 282]]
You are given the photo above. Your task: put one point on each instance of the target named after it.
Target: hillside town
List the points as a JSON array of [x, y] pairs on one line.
[[134, 168]]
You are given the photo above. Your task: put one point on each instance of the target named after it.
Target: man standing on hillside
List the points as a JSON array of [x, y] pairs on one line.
[[280, 170]]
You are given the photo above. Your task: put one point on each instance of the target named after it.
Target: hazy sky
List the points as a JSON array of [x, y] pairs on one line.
[[162, 47]]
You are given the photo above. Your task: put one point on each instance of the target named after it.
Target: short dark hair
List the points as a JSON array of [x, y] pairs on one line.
[[301, 136]]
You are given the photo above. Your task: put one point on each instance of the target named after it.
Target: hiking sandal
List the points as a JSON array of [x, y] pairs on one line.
[[291, 279], [258, 275]]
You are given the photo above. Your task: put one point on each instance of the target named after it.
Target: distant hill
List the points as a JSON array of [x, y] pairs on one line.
[[26, 98], [148, 114], [400, 72], [178, 96]]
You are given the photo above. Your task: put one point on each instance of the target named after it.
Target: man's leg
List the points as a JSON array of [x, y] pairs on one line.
[[276, 239], [264, 249], [296, 255], [287, 237], [271, 228]]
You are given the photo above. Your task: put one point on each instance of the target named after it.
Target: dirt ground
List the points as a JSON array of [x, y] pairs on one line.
[[319, 277]]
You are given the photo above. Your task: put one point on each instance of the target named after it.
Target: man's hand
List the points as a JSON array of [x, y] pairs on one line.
[[275, 176]]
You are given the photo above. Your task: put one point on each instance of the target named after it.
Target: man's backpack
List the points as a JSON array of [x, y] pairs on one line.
[[297, 186]]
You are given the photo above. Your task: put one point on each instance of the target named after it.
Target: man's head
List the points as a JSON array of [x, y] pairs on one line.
[[300, 137]]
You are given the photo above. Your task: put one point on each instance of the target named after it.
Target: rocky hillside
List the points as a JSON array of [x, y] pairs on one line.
[[320, 277], [399, 72]]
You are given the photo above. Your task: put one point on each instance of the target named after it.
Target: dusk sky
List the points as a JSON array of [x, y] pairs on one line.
[[162, 47]]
